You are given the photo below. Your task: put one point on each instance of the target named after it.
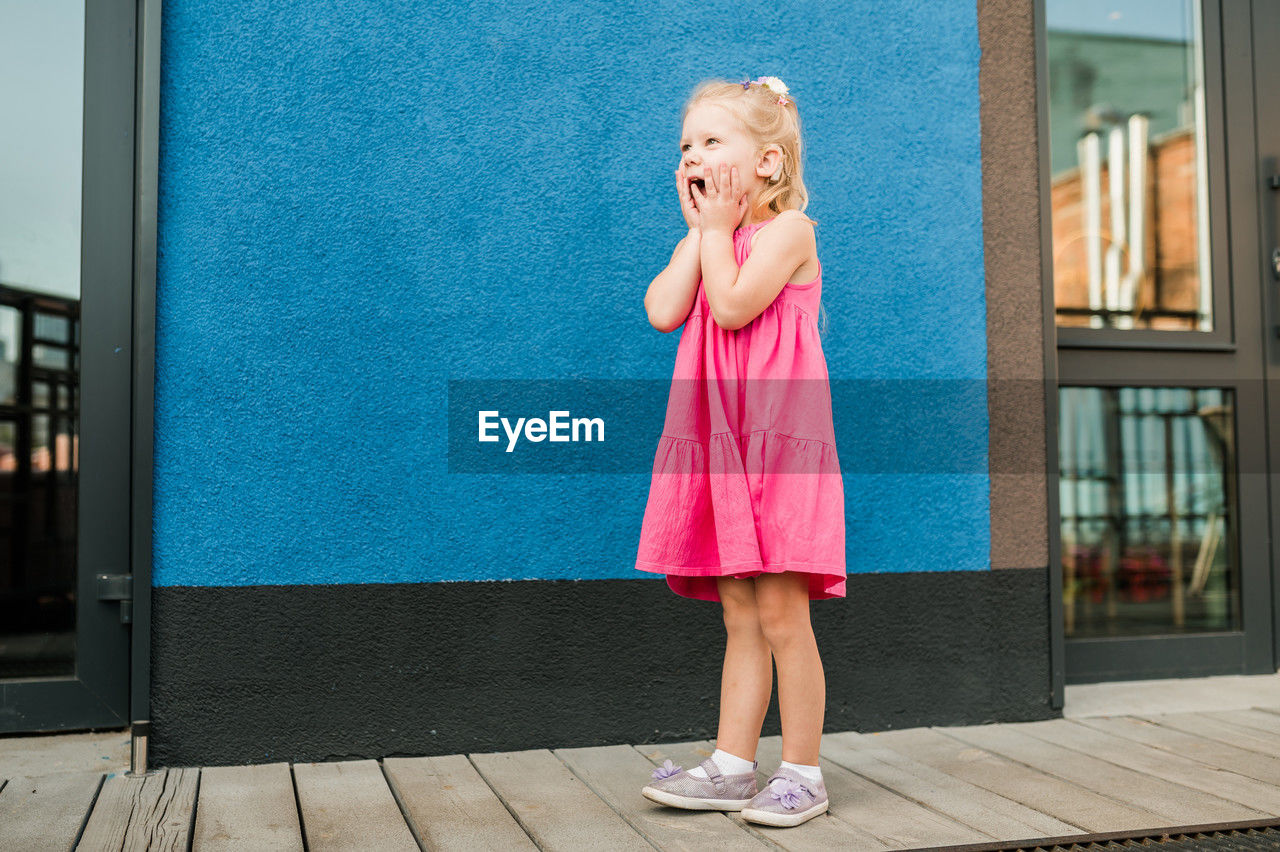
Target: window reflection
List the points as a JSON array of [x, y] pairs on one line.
[[1149, 531], [42, 90], [1129, 175]]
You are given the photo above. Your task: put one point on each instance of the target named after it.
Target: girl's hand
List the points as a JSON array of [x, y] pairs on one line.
[[690, 212], [722, 202]]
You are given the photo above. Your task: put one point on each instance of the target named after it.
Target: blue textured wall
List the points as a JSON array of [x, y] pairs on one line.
[[362, 201]]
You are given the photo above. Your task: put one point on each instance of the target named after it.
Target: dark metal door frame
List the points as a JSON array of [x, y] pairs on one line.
[[146, 202], [1231, 356], [1264, 25], [116, 368]]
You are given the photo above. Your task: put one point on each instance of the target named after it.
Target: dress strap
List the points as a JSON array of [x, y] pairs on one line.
[[757, 224]]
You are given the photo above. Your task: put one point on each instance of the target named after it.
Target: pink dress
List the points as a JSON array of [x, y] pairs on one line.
[[745, 478]]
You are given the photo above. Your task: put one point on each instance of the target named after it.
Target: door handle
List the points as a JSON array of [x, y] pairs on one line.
[[1273, 182], [118, 587]]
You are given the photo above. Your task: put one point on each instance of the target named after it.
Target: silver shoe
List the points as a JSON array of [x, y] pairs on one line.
[[788, 799], [716, 792]]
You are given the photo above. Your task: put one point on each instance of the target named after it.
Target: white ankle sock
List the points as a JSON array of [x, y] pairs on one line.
[[813, 773], [728, 764]]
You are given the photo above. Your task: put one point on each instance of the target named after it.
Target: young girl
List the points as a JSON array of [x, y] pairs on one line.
[[746, 504]]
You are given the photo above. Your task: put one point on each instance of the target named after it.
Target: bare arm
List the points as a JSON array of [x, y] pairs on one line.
[[736, 295], [671, 294]]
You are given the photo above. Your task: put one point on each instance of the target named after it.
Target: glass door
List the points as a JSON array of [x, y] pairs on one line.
[[1162, 418], [66, 240]]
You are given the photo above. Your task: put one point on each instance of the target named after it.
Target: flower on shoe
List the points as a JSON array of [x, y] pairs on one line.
[[666, 770], [786, 791]]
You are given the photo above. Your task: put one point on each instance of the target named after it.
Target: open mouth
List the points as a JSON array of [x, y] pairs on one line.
[[700, 183]]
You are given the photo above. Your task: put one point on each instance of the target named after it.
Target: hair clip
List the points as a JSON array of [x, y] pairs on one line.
[[773, 84]]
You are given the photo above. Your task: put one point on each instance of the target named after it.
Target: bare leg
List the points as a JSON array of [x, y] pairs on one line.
[[783, 604], [747, 680]]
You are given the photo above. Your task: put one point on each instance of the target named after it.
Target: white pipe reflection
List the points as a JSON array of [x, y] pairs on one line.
[[1115, 188], [1138, 128], [1091, 206]]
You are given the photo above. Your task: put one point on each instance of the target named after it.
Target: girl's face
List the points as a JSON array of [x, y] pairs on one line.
[[713, 135]]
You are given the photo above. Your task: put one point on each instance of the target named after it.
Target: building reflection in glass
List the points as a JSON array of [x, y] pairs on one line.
[[41, 164], [1148, 507], [1129, 176], [39, 468]]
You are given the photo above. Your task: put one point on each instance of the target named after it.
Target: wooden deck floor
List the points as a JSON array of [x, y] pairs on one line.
[[919, 787]]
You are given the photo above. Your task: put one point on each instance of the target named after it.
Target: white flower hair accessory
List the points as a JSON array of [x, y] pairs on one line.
[[773, 84]]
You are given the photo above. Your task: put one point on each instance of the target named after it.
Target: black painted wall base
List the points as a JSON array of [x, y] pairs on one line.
[[262, 674]]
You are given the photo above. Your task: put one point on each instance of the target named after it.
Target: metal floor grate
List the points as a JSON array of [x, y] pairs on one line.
[[1248, 835]]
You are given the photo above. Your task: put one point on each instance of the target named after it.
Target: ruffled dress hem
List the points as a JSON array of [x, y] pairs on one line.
[[699, 581]]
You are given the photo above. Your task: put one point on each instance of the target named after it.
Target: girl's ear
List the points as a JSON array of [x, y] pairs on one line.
[[770, 163]]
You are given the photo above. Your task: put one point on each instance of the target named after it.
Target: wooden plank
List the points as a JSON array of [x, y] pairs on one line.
[[1262, 690], [348, 805], [1268, 723], [46, 811], [1174, 804], [890, 820], [247, 807], [688, 753], [152, 812], [1078, 808], [42, 755], [1206, 726], [1115, 697], [1224, 783], [823, 832], [1263, 767], [616, 774], [1171, 695], [969, 804], [450, 807], [552, 804]]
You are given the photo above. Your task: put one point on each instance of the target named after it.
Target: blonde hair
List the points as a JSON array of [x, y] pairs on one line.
[[769, 123]]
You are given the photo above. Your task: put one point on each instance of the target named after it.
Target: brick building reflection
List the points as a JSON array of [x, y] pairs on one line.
[[39, 464]]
